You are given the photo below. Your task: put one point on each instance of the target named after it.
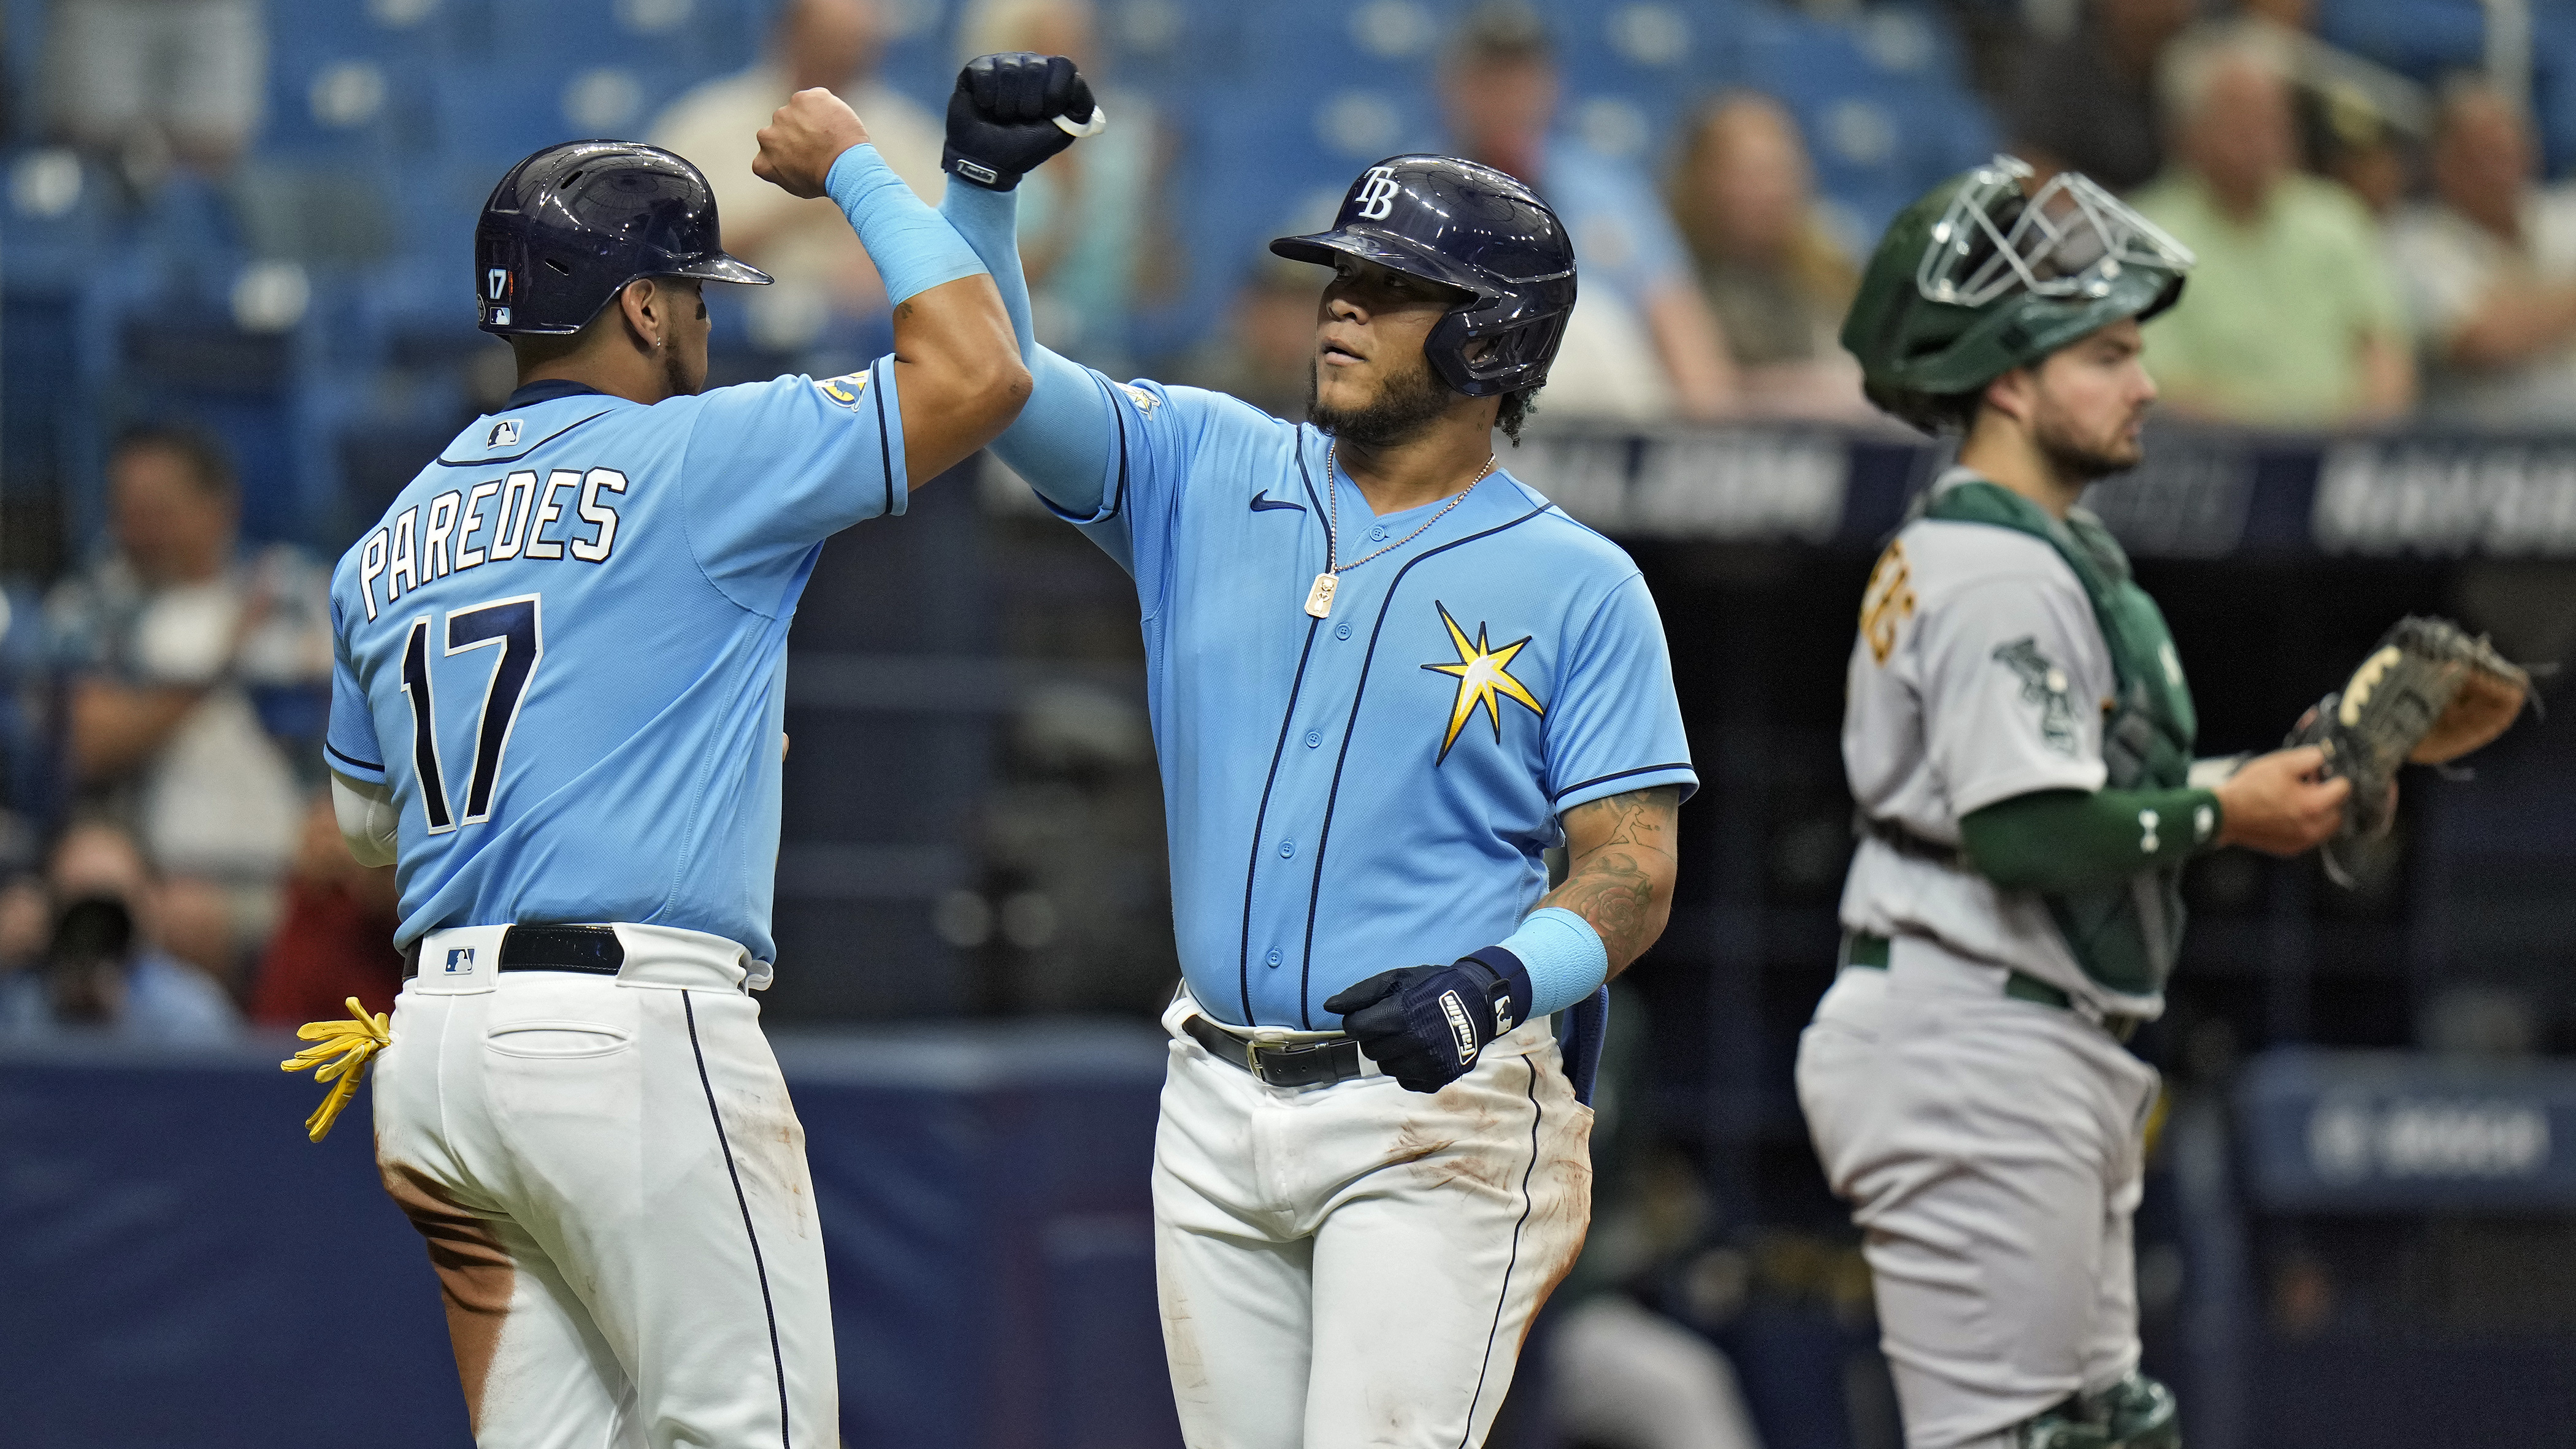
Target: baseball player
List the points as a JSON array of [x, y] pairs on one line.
[[2018, 738], [1384, 676], [561, 660]]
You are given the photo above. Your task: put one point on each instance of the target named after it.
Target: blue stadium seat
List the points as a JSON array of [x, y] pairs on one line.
[[2423, 38]]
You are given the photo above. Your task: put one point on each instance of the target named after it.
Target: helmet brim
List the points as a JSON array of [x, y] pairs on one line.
[[724, 268], [1395, 253]]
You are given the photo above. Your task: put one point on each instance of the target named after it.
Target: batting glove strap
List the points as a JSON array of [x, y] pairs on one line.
[[1011, 112]]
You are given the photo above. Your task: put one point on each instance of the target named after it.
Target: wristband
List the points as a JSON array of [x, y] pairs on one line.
[[914, 249], [1560, 956]]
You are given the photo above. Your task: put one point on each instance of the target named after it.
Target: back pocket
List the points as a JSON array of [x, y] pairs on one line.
[[556, 1040]]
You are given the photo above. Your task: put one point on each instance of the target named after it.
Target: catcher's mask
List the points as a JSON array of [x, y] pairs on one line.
[[1979, 277]]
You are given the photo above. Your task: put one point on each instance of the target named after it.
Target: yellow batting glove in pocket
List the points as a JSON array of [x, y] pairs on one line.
[[340, 1049]]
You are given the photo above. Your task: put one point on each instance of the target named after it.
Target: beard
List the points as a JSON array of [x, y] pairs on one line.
[[1406, 403], [2078, 457]]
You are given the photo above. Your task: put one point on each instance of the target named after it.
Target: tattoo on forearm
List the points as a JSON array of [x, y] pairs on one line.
[[1621, 875]]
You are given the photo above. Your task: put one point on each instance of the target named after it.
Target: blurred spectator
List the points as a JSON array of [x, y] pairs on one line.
[[146, 81], [2488, 268], [803, 242], [102, 964], [172, 642], [1265, 354], [2341, 101], [2291, 319], [336, 939], [2088, 102], [1089, 217], [1641, 345], [1771, 271]]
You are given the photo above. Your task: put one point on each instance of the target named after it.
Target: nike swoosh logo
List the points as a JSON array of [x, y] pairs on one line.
[[1262, 502]]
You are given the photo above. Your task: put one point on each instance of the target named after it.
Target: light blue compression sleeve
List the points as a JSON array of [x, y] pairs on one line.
[[1564, 957], [1065, 435], [913, 249]]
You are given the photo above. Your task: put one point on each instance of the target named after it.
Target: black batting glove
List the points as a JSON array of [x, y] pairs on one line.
[[1426, 1025], [1002, 118]]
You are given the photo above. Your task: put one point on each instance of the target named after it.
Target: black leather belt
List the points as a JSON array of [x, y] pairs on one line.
[[1317, 1064], [594, 949], [1864, 948]]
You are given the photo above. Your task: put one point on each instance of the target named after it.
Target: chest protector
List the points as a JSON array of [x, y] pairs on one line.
[[2124, 935]]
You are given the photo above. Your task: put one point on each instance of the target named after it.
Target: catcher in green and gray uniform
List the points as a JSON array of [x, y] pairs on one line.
[[2019, 742]]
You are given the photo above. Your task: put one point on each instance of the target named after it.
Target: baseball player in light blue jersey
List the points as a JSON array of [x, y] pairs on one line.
[[557, 710], [1384, 677]]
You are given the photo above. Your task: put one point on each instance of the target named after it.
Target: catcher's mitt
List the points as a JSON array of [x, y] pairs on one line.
[[2430, 693]]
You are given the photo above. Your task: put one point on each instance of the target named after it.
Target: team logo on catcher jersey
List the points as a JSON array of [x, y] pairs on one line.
[[2043, 684], [1145, 401], [1887, 602], [1377, 196], [1484, 678], [844, 389]]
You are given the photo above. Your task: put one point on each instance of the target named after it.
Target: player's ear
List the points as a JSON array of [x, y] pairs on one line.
[[2011, 394], [642, 304]]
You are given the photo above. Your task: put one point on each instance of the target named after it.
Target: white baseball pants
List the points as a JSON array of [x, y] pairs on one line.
[[614, 1190], [1991, 1151], [1357, 1264]]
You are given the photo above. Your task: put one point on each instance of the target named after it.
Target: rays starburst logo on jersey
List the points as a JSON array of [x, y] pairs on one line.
[[844, 389], [1484, 678]]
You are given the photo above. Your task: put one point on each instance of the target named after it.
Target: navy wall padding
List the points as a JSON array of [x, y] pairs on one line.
[[180, 1267]]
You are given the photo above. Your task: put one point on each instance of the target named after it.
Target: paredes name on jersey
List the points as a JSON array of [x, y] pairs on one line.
[[517, 516]]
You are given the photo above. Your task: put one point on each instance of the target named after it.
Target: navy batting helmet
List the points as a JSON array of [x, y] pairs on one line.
[[1474, 228], [572, 224]]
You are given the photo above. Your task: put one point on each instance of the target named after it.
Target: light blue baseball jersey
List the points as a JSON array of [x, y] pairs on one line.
[[565, 647], [1373, 789]]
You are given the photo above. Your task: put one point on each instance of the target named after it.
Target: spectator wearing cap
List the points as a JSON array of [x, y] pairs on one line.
[[2088, 102], [1770, 269], [1641, 344], [2291, 319], [191, 668], [802, 242], [2488, 268]]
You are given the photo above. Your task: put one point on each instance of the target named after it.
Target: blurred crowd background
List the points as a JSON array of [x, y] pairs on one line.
[[235, 318]]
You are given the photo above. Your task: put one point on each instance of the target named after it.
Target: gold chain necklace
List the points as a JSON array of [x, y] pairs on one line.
[[1319, 598]]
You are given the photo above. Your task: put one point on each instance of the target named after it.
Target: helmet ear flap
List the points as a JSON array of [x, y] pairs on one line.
[[1514, 358]]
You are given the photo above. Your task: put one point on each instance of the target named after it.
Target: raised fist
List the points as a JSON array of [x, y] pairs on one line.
[[802, 140], [1013, 111]]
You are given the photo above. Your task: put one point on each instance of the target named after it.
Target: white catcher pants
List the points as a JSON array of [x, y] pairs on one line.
[[1356, 1265], [1990, 1149], [614, 1191]]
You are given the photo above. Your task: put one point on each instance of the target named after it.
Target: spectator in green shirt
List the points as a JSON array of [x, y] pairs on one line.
[[2292, 319]]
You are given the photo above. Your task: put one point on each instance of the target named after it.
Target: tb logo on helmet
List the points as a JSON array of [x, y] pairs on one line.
[[1377, 198]]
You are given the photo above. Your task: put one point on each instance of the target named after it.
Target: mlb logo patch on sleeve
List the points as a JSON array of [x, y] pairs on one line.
[[844, 389], [504, 434]]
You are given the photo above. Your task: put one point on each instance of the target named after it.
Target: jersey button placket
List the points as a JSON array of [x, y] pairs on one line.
[[1342, 630], [1314, 738], [1273, 958]]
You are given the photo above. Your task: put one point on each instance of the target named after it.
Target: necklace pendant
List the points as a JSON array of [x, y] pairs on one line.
[[1319, 599]]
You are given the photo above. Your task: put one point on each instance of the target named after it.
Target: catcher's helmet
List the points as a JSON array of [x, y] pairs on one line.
[[1474, 228], [572, 224], [1976, 279]]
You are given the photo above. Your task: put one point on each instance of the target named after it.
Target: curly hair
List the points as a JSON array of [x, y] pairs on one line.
[[1516, 408]]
